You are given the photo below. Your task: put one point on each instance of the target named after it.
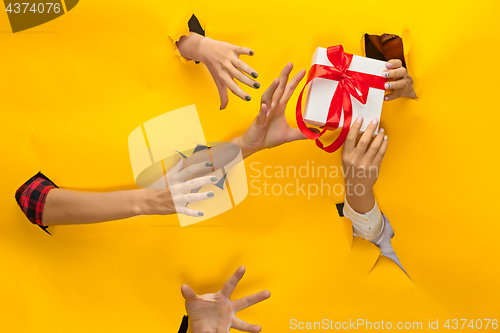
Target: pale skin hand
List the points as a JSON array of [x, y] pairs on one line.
[[270, 128], [400, 83], [215, 313], [361, 164], [174, 188], [223, 62], [75, 207]]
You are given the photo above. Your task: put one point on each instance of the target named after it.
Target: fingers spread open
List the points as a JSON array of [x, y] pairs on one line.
[[243, 78], [192, 197], [282, 84], [194, 183], [188, 211], [243, 326], [367, 136], [232, 282], [242, 66], [188, 293], [248, 301], [267, 96], [350, 141], [240, 50], [235, 88], [292, 85], [191, 170]]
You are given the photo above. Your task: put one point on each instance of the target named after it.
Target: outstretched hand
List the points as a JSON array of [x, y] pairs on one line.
[[170, 193], [216, 312], [223, 62], [270, 128]]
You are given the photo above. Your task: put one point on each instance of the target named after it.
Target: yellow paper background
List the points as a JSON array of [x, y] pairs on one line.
[[73, 89]]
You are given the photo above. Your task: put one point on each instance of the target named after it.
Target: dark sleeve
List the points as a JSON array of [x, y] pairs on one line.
[[184, 325], [31, 198], [371, 51], [340, 209], [195, 26]]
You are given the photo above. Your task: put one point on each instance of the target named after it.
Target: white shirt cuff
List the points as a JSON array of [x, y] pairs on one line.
[[369, 226]]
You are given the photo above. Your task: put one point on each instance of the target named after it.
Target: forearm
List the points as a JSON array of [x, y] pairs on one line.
[[360, 198], [190, 46], [74, 207]]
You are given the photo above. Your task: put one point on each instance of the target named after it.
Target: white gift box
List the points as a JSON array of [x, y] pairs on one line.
[[321, 91]]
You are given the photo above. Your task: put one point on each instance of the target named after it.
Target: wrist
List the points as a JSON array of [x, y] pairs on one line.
[[191, 47], [359, 196], [202, 48], [245, 151], [156, 202], [142, 202]]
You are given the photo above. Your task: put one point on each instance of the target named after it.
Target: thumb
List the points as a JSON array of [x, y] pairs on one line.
[[188, 293], [296, 134], [262, 116]]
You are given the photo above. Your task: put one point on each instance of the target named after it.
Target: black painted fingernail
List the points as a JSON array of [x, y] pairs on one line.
[[251, 52], [256, 85], [214, 179], [209, 164], [255, 75], [248, 98], [200, 213], [211, 194]]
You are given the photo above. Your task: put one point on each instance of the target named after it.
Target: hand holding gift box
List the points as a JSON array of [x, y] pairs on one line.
[[345, 86]]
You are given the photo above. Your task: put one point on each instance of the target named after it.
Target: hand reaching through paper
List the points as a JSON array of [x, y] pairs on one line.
[[270, 128], [169, 194], [361, 163], [399, 81], [223, 62], [216, 312]]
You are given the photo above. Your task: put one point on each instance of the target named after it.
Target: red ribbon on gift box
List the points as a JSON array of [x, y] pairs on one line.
[[349, 84]]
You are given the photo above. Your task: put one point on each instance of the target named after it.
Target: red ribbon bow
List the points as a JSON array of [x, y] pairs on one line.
[[349, 84]]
